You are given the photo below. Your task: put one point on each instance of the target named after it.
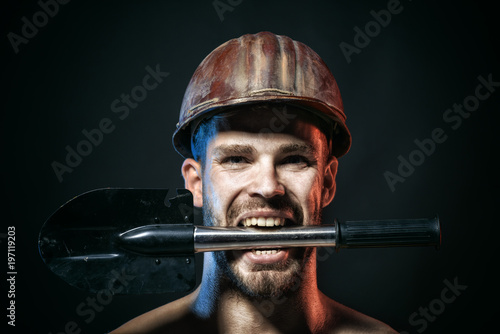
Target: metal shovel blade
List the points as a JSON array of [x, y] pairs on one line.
[[79, 242]]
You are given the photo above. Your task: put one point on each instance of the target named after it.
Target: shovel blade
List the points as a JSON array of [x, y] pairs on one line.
[[79, 244]]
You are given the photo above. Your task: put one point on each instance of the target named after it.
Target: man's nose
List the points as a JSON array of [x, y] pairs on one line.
[[266, 182]]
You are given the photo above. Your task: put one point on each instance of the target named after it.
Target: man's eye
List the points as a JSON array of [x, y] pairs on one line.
[[296, 160], [234, 160]]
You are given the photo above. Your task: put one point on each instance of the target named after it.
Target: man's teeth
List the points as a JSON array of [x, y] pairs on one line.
[[263, 221], [266, 222], [265, 252]]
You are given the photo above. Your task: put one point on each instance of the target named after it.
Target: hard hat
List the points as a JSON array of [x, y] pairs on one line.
[[262, 68]]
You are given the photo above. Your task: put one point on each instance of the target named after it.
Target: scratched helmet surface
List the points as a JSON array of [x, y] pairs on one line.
[[257, 68]]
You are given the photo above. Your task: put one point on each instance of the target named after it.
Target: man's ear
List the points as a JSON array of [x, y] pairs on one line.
[[329, 184], [191, 171]]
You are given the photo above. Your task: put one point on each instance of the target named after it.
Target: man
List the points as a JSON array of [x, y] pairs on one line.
[[261, 128]]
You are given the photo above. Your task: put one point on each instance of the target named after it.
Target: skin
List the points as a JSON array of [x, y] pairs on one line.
[[247, 173]]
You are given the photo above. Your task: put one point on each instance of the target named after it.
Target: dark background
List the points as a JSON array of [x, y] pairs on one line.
[[395, 90]]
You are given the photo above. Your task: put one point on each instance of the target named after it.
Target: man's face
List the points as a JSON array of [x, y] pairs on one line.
[[263, 180]]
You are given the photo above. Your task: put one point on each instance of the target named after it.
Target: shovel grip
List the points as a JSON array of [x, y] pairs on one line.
[[387, 233]]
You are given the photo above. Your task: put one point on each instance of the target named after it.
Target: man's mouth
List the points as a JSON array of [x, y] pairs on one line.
[[264, 256]]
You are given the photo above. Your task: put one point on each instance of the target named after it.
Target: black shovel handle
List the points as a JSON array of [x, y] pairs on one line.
[[389, 233]]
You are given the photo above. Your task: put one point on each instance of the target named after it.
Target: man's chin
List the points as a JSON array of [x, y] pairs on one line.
[[268, 283], [267, 274]]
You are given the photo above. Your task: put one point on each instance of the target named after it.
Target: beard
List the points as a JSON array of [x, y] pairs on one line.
[[261, 280], [264, 280]]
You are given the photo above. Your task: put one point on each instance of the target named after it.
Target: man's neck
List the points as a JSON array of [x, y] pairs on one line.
[[299, 310]]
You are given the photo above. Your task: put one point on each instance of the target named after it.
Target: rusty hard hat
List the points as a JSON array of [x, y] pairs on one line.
[[262, 68]]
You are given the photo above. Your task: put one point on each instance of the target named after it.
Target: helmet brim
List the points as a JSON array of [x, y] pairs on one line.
[[334, 119]]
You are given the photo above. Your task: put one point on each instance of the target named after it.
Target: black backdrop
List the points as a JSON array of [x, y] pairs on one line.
[[62, 77]]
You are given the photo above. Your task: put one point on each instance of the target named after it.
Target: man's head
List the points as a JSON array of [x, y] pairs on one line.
[[261, 128]]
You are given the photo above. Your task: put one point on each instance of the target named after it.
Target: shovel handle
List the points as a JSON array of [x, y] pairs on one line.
[[171, 239]]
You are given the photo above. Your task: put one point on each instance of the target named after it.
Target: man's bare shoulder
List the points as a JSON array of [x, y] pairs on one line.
[[177, 317], [172, 318], [347, 321]]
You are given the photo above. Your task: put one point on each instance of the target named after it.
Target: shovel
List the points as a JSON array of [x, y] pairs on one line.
[[139, 241]]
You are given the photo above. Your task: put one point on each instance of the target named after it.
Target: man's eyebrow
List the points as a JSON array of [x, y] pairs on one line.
[[295, 147], [234, 149]]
